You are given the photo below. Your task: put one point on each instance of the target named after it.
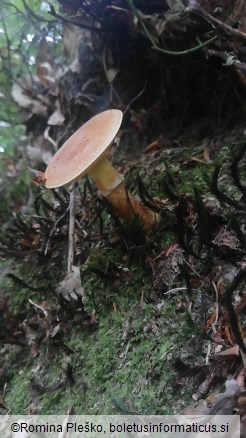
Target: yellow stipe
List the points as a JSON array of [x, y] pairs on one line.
[[104, 175]]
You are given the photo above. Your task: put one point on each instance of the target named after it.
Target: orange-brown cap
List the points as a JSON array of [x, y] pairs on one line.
[[83, 149]]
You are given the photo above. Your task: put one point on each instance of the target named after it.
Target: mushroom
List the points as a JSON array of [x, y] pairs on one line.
[[85, 152]]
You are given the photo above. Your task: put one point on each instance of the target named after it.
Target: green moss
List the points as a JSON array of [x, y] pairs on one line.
[[28, 281], [17, 396], [124, 360]]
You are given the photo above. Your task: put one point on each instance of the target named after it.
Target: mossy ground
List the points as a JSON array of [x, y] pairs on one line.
[[126, 361], [123, 361], [122, 358]]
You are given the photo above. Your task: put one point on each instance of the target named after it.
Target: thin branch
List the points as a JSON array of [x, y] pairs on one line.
[[195, 9], [136, 13], [37, 17], [76, 23], [54, 228], [70, 259], [135, 97], [187, 51], [38, 307], [160, 49]]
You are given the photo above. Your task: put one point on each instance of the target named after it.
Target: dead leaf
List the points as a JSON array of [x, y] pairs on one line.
[[55, 330], [224, 403], [197, 408], [152, 146], [72, 35], [206, 155], [198, 160], [71, 286], [45, 66], [37, 177], [39, 150], [56, 118], [239, 11], [24, 93], [226, 238], [112, 73], [170, 249], [230, 351]]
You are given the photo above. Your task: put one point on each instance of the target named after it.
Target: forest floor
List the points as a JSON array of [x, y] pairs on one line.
[[142, 310]]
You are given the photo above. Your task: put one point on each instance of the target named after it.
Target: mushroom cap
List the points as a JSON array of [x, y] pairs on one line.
[[83, 149]]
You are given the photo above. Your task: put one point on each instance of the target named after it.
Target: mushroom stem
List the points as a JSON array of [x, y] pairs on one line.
[[128, 206], [111, 185], [106, 177]]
